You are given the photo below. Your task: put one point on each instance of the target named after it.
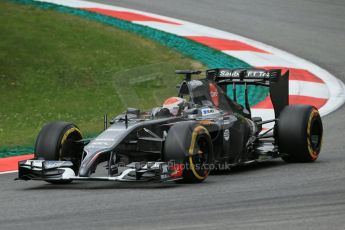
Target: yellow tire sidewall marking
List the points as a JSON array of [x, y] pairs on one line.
[[197, 130], [312, 153], [64, 138]]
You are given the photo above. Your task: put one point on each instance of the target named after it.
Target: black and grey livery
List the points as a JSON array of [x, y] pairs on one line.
[[212, 131]]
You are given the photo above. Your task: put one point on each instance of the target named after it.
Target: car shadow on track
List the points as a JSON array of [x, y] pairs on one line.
[[248, 168], [95, 185]]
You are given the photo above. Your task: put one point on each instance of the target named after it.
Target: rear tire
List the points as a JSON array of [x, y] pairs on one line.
[[299, 132], [56, 141], [190, 144]]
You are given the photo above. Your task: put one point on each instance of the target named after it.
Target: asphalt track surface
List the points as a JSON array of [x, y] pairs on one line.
[[272, 195]]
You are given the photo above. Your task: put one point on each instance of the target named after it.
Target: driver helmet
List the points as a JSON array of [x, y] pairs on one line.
[[175, 105]]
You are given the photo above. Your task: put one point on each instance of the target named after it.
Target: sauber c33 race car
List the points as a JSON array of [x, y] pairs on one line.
[[204, 130]]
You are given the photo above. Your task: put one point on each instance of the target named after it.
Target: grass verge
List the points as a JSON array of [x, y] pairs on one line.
[[56, 66]]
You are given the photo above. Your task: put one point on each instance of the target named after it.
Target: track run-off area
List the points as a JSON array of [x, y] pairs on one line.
[[291, 196]]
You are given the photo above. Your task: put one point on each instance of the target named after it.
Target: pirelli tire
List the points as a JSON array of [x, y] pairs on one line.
[[299, 131], [189, 144], [56, 141]]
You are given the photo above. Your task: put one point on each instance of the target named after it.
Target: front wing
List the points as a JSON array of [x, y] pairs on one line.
[[55, 171]]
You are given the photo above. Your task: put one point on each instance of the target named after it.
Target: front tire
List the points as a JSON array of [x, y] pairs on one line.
[[299, 132], [189, 144], [56, 141]]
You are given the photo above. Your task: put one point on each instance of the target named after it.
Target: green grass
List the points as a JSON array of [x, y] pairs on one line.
[[56, 66]]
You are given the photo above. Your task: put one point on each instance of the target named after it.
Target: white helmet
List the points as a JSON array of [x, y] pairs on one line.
[[175, 105]]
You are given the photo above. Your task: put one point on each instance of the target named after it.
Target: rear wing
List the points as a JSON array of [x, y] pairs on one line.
[[278, 84]]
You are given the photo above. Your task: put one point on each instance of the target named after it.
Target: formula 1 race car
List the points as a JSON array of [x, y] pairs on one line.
[[200, 130]]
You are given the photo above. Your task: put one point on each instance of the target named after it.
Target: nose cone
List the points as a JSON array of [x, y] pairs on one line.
[[83, 172], [89, 162]]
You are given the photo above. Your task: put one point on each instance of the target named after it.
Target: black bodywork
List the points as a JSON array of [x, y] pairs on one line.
[[136, 139]]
